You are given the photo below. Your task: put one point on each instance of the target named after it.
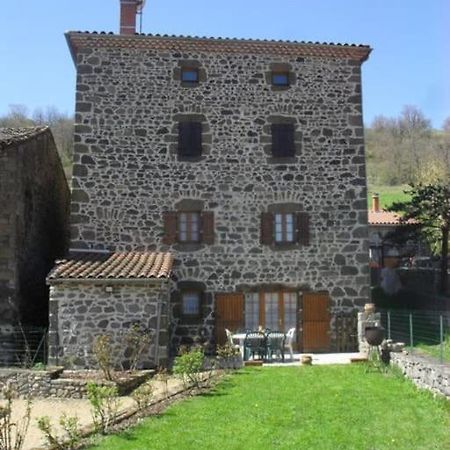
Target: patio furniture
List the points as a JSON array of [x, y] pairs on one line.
[[275, 344], [255, 343], [230, 339], [289, 341]]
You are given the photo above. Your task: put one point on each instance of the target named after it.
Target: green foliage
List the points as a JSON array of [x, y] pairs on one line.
[[315, 407], [105, 405], [137, 341], [103, 354], [227, 351], [388, 194], [434, 350], [189, 365], [12, 432], [143, 395], [39, 366], [71, 427]]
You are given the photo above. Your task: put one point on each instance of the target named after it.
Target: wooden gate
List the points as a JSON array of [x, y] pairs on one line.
[[316, 322], [229, 314]]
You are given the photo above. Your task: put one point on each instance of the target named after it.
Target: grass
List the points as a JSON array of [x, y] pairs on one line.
[[318, 407], [435, 350], [388, 194]]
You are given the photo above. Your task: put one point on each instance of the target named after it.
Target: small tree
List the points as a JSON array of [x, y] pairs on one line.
[[103, 354], [428, 213]]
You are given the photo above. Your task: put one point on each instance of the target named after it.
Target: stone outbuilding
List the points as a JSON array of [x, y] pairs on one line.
[[34, 200], [93, 294]]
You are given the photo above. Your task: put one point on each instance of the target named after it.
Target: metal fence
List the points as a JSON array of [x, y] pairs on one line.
[[23, 346], [424, 332]]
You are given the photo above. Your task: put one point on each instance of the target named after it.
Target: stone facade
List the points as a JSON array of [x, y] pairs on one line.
[[79, 312], [34, 199], [127, 173]]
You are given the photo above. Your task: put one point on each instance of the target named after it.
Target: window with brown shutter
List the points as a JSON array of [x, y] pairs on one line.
[[283, 145], [303, 228], [170, 227], [284, 224], [189, 139]]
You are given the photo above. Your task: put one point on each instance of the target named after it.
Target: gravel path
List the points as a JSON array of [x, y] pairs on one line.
[[54, 408]]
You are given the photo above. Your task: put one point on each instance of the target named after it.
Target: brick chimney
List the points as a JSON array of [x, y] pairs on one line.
[[128, 13], [375, 203]]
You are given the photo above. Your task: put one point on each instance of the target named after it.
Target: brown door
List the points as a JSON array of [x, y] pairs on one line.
[[316, 322], [229, 314]]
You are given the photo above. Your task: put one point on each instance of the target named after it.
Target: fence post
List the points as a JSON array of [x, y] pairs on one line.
[[411, 338], [441, 338], [389, 324]]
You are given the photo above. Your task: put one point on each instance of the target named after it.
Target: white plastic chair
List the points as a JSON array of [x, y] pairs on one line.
[[289, 341], [230, 338]]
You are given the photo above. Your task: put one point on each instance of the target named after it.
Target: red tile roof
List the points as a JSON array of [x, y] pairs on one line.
[[113, 266], [78, 40], [383, 218]]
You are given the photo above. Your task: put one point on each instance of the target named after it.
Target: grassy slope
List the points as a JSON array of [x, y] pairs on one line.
[[388, 194], [319, 407]]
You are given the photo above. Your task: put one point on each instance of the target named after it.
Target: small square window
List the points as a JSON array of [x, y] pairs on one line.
[[189, 75], [280, 78], [191, 303]]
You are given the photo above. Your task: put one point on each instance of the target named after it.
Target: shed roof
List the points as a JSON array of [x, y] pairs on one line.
[[12, 136], [80, 39], [383, 218], [119, 266]]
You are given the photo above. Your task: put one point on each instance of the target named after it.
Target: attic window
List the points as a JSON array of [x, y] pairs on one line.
[[189, 75], [280, 78]]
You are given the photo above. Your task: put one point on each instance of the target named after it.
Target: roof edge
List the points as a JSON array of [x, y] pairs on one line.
[[108, 281]]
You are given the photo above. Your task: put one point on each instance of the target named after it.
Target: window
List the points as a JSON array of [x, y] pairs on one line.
[[283, 145], [252, 311], [284, 228], [189, 227], [189, 139], [280, 78], [190, 303], [189, 75]]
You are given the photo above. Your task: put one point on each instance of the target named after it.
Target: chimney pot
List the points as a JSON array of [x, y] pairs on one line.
[[375, 202], [128, 12]]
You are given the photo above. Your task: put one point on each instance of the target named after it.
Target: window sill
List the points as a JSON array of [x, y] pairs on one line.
[[188, 246]]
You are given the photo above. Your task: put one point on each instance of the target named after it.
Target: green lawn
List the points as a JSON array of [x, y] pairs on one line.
[[318, 407], [435, 350], [388, 194]]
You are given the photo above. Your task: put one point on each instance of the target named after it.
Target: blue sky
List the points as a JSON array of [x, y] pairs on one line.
[[409, 64]]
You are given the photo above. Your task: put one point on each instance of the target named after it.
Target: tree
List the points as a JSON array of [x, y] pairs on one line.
[[428, 211]]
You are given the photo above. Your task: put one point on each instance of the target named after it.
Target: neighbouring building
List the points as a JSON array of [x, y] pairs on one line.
[[240, 163], [34, 199]]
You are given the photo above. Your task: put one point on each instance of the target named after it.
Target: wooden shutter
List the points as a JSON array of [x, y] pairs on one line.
[[170, 227], [283, 140], [208, 227], [189, 138], [266, 228], [303, 228]]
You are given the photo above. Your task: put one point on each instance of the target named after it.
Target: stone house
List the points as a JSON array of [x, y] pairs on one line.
[[34, 199], [242, 159]]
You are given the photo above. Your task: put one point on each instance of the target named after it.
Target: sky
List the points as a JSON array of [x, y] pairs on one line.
[[409, 65]]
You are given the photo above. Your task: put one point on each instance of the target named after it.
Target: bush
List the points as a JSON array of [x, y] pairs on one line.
[[104, 404], [143, 395], [103, 354], [12, 434], [71, 427], [137, 341], [189, 365]]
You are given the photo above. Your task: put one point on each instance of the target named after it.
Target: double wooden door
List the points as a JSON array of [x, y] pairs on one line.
[[229, 314]]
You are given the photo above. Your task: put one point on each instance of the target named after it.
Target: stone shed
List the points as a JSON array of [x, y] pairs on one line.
[[102, 293], [34, 211]]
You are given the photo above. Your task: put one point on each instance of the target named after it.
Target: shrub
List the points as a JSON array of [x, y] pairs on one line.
[[103, 354], [143, 395], [137, 341], [71, 427], [189, 365], [12, 433], [105, 405], [163, 376]]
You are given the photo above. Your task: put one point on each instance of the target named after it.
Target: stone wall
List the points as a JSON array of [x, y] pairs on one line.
[[424, 373], [34, 199], [81, 312], [127, 174]]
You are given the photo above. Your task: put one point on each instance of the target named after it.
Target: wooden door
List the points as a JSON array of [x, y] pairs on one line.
[[316, 322], [229, 314]]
